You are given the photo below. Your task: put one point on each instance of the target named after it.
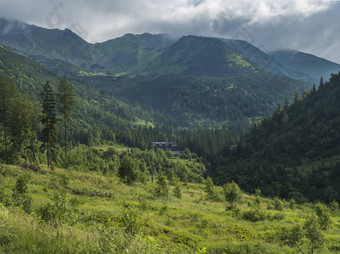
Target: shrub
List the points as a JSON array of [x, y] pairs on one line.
[[20, 194], [334, 207], [257, 201], [254, 215], [56, 213], [128, 170], [162, 187], [323, 214], [177, 189], [313, 233], [232, 193], [129, 220], [292, 203], [210, 189], [278, 205]]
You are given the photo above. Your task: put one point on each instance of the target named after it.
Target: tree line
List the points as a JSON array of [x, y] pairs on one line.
[[29, 127]]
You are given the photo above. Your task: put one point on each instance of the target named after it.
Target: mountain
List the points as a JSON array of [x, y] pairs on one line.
[[202, 82], [51, 43], [304, 66], [193, 55], [295, 153], [198, 81], [257, 56], [127, 54]]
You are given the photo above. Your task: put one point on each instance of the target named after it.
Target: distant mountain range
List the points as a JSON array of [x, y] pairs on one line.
[[199, 81], [157, 54]]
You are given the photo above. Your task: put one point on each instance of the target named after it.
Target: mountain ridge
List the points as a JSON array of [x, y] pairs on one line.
[[138, 54]]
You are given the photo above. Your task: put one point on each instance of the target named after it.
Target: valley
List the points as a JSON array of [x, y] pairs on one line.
[[257, 166]]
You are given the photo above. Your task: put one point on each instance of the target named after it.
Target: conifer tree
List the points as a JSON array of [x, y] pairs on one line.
[[321, 82], [296, 97], [286, 103], [66, 99], [49, 120], [22, 122], [7, 93]]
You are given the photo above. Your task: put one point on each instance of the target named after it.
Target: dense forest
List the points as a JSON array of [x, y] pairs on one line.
[[294, 153]]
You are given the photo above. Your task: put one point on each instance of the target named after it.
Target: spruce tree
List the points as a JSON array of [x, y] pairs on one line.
[[49, 121], [7, 93], [22, 123], [321, 82], [66, 99]]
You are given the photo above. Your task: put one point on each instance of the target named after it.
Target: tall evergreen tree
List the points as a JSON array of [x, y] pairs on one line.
[[286, 103], [296, 97], [66, 99], [7, 93], [49, 120], [22, 123], [321, 82]]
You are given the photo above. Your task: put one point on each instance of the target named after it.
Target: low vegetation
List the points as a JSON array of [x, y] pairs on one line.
[[82, 211]]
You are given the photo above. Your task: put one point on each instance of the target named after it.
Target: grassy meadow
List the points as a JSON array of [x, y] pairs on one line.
[[87, 212]]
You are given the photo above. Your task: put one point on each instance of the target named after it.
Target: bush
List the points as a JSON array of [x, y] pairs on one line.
[[56, 213], [232, 193], [334, 207], [257, 201], [278, 205], [254, 215], [323, 214], [129, 220], [20, 194], [162, 187], [292, 203], [128, 170], [316, 239]]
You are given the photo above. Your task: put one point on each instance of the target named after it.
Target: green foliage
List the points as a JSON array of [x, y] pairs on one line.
[[129, 220], [127, 170], [20, 194], [323, 213], [281, 148], [232, 193], [49, 120], [177, 189], [334, 206], [316, 239], [278, 204], [162, 187], [257, 201], [108, 216], [292, 203], [58, 212], [254, 215], [66, 99], [210, 190]]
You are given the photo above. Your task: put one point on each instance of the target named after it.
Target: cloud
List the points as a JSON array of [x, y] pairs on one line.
[[257, 21]]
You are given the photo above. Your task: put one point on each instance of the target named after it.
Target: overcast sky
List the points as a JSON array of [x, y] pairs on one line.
[[311, 26]]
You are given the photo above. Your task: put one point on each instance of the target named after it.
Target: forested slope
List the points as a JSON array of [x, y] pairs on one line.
[[295, 152]]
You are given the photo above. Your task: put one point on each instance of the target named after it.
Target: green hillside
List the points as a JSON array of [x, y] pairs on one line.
[[295, 153], [192, 55], [258, 57], [127, 54], [98, 117], [203, 101], [81, 212]]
